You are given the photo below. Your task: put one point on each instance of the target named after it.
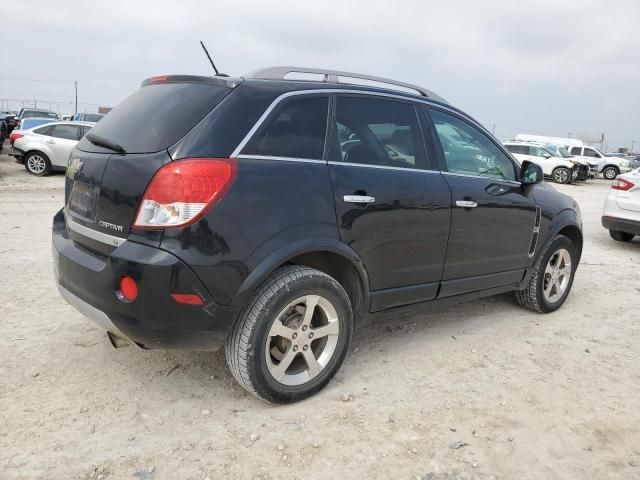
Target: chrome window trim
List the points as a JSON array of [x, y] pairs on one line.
[[382, 167], [281, 159], [238, 150], [93, 234], [502, 180]]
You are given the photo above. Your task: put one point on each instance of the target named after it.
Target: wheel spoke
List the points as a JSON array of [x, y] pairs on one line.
[[310, 303], [312, 363], [332, 328], [279, 330], [280, 369]]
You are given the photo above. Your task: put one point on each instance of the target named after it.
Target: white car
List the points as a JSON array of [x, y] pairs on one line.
[[560, 170], [47, 147], [609, 167], [621, 214]]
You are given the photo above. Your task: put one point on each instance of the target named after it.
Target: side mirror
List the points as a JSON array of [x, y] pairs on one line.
[[530, 173], [547, 155]]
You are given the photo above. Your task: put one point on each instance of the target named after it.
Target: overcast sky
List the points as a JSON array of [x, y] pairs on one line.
[[544, 67]]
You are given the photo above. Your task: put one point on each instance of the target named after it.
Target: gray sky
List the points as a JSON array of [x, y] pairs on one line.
[[545, 67]]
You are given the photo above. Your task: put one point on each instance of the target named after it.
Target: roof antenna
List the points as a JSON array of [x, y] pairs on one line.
[[218, 74]]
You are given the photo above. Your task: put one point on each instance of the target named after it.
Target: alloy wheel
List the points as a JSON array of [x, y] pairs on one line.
[[36, 164], [557, 275], [302, 340]]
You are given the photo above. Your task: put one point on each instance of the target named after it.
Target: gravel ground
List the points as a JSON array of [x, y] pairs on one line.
[[481, 390]]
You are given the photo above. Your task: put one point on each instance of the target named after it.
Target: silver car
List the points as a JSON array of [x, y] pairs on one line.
[[47, 147]]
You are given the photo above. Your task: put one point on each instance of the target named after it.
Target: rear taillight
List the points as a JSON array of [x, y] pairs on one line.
[[15, 136], [622, 184], [182, 191]]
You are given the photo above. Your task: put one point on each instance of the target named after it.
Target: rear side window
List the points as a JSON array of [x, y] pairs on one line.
[[67, 132], [296, 129], [157, 116], [378, 132], [43, 130], [576, 150]]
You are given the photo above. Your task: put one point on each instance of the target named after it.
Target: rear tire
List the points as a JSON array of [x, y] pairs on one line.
[[37, 163], [561, 175], [552, 277], [610, 173], [279, 351], [621, 236]]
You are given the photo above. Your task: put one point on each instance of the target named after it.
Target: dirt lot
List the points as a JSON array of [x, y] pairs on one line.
[[481, 390]]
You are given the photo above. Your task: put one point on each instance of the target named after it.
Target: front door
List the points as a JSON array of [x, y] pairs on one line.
[[493, 217], [391, 209]]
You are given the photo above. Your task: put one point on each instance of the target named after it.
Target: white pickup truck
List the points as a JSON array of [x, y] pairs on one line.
[[609, 167]]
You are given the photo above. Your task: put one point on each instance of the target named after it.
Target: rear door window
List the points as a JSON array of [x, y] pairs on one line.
[[67, 132], [296, 129], [156, 116], [377, 131]]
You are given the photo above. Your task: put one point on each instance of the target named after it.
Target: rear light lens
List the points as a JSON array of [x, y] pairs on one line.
[[622, 184], [15, 136], [159, 78], [188, 298], [128, 289], [182, 191]]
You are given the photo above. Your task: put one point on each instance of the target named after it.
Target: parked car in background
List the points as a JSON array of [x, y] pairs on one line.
[[609, 167], [34, 112], [28, 124], [66, 118], [240, 217], [47, 147], [88, 117], [560, 170], [621, 213], [634, 161]]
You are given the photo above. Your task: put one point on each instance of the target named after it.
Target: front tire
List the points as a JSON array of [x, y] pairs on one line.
[[621, 236], [610, 173], [561, 175], [292, 337], [552, 277], [37, 163]]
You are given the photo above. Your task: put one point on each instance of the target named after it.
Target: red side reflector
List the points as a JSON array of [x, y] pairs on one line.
[[187, 298], [622, 184], [159, 78], [128, 289]]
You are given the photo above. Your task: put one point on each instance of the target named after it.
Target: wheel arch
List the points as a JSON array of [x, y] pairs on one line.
[[327, 255]]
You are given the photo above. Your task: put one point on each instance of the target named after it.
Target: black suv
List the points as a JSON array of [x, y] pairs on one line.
[[268, 214]]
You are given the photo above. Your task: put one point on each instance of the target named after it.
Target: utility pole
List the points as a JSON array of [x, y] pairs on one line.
[[76, 109], [493, 130], [633, 142]]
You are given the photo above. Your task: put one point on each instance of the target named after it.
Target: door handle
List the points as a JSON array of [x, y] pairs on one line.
[[51, 142], [466, 204], [358, 199]]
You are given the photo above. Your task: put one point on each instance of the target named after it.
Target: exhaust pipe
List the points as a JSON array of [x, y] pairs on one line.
[[116, 341]]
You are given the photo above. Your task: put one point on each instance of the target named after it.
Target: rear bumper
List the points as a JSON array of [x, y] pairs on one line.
[[89, 281], [17, 154], [621, 224]]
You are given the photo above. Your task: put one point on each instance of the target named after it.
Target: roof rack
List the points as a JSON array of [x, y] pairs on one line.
[[336, 76]]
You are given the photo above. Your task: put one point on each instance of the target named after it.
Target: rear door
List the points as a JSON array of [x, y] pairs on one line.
[[493, 217], [61, 139], [392, 206]]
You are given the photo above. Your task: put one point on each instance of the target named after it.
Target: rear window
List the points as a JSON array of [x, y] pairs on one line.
[[157, 116]]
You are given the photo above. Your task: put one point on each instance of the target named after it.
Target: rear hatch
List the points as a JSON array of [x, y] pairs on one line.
[[110, 168]]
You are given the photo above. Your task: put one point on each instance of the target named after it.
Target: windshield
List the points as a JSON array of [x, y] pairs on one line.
[[39, 113]]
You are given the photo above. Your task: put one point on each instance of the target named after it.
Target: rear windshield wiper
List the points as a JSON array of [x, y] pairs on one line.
[[103, 142]]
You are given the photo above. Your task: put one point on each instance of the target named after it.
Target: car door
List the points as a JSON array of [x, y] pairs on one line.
[[61, 140], [493, 217], [542, 158], [392, 205]]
